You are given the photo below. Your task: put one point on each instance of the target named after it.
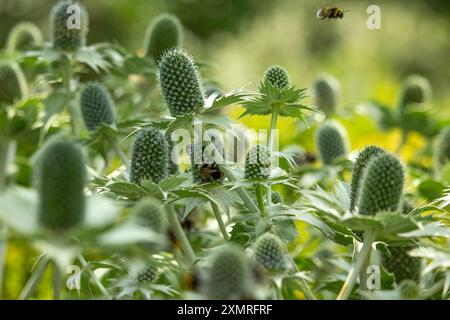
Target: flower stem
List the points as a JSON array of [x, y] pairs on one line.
[[358, 264], [260, 199], [67, 78], [120, 153], [403, 140], [220, 221], [273, 126], [36, 276], [56, 282], [97, 281], [180, 235], [243, 194]]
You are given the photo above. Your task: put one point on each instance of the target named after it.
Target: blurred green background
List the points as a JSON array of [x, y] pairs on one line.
[[241, 38]]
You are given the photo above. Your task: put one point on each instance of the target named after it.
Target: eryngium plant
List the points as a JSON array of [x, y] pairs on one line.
[[181, 84], [149, 156], [276, 198], [332, 142], [13, 86], [269, 253], [363, 159], [257, 163], [165, 32], [416, 89], [61, 179], [69, 23], [382, 185], [148, 275], [230, 274], [173, 168], [442, 149], [326, 93], [24, 36], [149, 213], [277, 76], [96, 106]]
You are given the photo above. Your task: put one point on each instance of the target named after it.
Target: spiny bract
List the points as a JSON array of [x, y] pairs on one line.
[[165, 32], [257, 163], [149, 156], [148, 275], [382, 185], [363, 159], [326, 93], [149, 213], [24, 36], [277, 76], [13, 86], [269, 252], [416, 89], [442, 149], [69, 23], [61, 177], [332, 142], [180, 83], [230, 274], [96, 106]]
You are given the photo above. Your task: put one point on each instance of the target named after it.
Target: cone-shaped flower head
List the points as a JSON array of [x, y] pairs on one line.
[[148, 275], [149, 156], [382, 185], [416, 89], [61, 179], [180, 81], [13, 86], [363, 159], [401, 264], [149, 213], [276, 198], [277, 76], [257, 163], [165, 32], [24, 36], [326, 94], [442, 148], [96, 106], [269, 252], [332, 141], [230, 274], [69, 23]]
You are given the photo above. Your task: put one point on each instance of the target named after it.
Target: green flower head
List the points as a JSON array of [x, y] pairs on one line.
[[269, 252], [326, 93], [257, 163], [24, 36], [332, 142], [96, 106], [277, 76], [13, 86]]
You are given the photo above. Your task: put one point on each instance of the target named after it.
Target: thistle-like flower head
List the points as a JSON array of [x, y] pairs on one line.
[[96, 106]]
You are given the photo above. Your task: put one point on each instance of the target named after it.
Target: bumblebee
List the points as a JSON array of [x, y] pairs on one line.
[[330, 13], [209, 172]]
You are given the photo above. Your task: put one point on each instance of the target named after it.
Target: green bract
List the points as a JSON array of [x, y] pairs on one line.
[[382, 185], [326, 93], [69, 23], [61, 178], [165, 32], [96, 106], [180, 83], [269, 252], [149, 156], [13, 86], [257, 163], [363, 159], [277, 76], [24, 36], [230, 274], [332, 142]]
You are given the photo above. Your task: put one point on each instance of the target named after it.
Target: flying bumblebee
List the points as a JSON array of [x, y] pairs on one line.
[[330, 13], [210, 172]]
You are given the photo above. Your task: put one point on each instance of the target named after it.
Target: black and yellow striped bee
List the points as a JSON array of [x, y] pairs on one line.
[[330, 13], [210, 172]]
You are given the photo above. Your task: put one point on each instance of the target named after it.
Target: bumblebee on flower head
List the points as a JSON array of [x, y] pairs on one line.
[[330, 13]]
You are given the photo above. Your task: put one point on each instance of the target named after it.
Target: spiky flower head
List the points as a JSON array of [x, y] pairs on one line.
[[401, 264], [257, 163], [269, 252], [326, 94], [230, 274], [164, 32], [181, 84], [362, 160], [13, 85], [442, 148], [276, 198], [382, 185], [277, 76], [96, 106], [149, 156], [149, 213], [332, 141], [60, 180], [409, 290], [69, 23], [148, 274], [24, 36], [416, 89]]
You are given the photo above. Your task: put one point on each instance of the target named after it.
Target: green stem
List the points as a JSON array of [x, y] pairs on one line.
[[273, 126], [243, 194], [36, 276], [260, 199], [220, 221], [309, 295], [120, 153], [4, 152], [56, 282], [180, 235], [3, 252], [69, 95], [97, 281], [357, 266], [403, 140], [363, 276]]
